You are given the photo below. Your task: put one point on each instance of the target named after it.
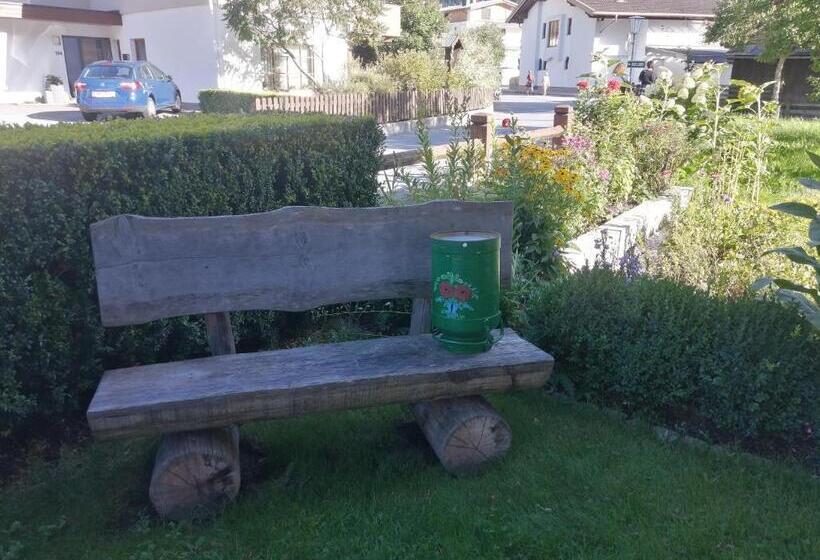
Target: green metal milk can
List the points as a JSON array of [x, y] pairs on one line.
[[466, 289]]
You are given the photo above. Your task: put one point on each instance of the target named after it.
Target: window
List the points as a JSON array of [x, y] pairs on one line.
[[158, 74], [569, 26], [544, 31], [552, 38], [145, 73], [566, 63], [281, 71], [138, 49], [485, 13], [540, 64], [107, 71]]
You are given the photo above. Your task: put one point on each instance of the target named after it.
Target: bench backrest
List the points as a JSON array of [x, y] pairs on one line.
[[291, 259]]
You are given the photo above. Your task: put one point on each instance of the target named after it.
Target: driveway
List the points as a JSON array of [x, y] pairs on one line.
[[44, 114]]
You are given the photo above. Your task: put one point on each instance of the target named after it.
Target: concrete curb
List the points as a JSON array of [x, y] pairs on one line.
[[610, 241]]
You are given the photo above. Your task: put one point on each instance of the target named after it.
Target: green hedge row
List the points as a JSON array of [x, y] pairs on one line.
[[56, 181], [740, 370], [229, 101]]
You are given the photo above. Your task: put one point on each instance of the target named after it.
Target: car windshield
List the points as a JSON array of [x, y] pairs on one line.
[[108, 71]]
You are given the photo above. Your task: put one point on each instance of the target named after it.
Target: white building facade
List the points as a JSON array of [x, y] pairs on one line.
[[464, 14], [187, 39], [561, 36]]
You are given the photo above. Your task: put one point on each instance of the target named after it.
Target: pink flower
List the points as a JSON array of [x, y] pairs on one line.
[[506, 123], [583, 85], [613, 85], [578, 143], [604, 175]]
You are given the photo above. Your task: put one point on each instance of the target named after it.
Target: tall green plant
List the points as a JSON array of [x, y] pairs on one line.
[[806, 298]]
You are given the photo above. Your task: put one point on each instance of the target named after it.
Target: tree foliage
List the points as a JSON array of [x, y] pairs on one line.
[[422, 23], [479, 60], [778, 27], [284, 24]]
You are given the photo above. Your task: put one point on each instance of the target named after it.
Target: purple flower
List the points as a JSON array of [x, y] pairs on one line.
[[726, 198], [578, 143]]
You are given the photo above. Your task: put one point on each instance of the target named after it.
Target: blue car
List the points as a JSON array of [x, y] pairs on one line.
[[125, 87]]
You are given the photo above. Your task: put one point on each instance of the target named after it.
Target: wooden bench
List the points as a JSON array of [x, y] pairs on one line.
[[292, 259]]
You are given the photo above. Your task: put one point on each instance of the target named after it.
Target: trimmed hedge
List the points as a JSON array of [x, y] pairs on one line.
[[229, 101], [56, 181], [741, 370]]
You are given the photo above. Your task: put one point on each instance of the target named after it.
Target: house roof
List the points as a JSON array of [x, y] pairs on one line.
[[653, 9], [479, 5], [754, 51]]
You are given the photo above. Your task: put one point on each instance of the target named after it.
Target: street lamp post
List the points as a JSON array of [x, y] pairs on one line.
[[635, 26]]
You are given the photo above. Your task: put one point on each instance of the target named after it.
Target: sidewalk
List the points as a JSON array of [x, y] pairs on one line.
[[532, 111]]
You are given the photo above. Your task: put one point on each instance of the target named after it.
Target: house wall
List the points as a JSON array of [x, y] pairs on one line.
[[796, 88], [30, 49], [590, 35], [577, 46], [240, 65], [180, 41]]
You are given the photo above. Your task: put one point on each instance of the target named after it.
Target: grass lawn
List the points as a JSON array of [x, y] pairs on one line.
[[788, 160], [577, 483]]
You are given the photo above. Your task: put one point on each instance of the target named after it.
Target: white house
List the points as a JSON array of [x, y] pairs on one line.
[[561, 36], [463, 14], [188, 39]]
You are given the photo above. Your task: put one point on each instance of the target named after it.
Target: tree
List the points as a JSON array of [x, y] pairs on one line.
[[422, 24], [777, 26], [283, 24], [479, 59]]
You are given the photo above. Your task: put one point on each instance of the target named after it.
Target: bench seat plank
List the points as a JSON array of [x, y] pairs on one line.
[[223, 390]]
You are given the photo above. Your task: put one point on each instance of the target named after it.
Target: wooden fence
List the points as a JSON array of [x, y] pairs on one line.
[[385, 107]]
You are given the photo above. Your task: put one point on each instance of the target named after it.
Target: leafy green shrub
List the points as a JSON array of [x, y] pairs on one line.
[[612, 121], [741, 370], [479, 59], [367, 79], [717, 244], [230, 101], [661, 148], [417, 70], [56, 181]]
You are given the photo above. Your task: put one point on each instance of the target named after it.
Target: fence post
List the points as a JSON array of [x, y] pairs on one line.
[[564, 117], [482, 128]]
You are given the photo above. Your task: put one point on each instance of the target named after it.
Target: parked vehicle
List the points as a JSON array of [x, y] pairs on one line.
[[107, 87]]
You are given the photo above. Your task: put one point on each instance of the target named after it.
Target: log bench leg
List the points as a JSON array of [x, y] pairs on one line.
[[195, 472], [465, 433]]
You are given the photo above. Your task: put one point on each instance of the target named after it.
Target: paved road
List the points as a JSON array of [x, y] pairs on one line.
[[532, 111]]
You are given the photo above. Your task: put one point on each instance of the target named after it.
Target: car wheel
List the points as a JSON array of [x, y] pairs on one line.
[[150, 110], [177, 106], [90, 116]]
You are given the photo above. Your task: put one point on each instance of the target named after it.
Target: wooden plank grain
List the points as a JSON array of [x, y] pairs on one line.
[[222, 390], [291, 259]]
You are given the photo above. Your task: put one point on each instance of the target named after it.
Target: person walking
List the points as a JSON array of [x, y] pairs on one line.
[[647, 76], [529, 82], [545, 81]]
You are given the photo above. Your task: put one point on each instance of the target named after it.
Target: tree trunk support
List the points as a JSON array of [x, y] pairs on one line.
[[466, 432], [197, 472]]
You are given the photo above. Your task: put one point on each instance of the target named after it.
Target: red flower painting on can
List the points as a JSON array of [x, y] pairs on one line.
[[454, 294]]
